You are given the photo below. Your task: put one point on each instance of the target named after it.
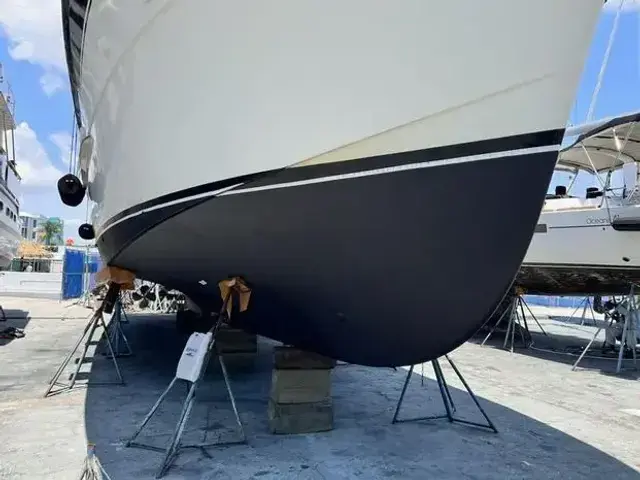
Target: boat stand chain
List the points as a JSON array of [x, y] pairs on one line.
[[193, 379], [629, 332], [110, 302], [516, 318], [446, 399], [92, 469]]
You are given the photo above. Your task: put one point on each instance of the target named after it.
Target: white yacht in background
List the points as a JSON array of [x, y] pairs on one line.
[[9, 178], [356, 162], [589, 242]]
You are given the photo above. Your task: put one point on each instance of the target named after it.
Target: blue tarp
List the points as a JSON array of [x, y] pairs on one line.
[[73, 268]]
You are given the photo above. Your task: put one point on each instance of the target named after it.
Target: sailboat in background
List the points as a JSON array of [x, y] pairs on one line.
[[588, 243]]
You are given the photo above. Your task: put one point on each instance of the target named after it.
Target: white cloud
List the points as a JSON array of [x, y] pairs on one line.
[[33, 162], [629, 5], [51, 83], [34, 30], [62, 140]]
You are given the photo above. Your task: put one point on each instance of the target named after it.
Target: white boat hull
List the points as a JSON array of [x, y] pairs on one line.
[[580, 252], [281, 83], [404, 123], [9, 227], [9, 243]]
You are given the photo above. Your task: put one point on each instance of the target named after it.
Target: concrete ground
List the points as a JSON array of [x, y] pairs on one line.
[[554, 423]]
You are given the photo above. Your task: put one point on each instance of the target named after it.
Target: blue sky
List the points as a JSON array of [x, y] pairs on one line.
[[32, 54]]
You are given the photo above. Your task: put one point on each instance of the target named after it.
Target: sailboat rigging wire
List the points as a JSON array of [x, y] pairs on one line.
[[605, 61]]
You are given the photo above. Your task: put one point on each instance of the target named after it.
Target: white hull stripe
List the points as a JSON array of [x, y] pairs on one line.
[[399, 168]]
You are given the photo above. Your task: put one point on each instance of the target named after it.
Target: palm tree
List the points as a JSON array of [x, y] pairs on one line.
[[51, 229]]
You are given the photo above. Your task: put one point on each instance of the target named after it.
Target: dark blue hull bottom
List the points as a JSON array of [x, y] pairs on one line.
[[383, 270]]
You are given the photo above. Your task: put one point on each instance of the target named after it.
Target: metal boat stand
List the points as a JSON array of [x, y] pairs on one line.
[[175, 446], [585, 303], [446, 399], [516, 317], [96, 320], [629, 332], [116, 334]]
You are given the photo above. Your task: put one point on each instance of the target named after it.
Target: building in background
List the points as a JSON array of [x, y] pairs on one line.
[[33, 229], [30, 225]]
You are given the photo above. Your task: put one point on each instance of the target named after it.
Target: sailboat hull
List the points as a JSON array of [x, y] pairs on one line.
[[581, 252], [372, 171]]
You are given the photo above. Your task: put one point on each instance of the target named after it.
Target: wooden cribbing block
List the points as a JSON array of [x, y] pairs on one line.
[[300, 398], [235, 340], [294, 418], [300, 386], [289, 358]]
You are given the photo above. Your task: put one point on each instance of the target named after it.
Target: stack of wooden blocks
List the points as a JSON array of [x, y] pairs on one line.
[[238, 347], [300, 399]]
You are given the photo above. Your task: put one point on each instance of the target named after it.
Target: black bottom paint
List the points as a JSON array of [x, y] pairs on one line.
[[382, 270], [576, 280]]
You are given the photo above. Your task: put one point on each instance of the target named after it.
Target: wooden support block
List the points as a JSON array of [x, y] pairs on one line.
[[293, 418], [239, 361], [235, 340], [300, 386], [287, 358]]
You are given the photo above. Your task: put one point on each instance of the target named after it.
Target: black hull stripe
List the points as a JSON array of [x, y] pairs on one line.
[[287, 175], [581, 266], [595, 225]]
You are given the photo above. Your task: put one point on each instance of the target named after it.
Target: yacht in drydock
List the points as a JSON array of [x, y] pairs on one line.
[[589, 242], [312, 144], [9, 178]]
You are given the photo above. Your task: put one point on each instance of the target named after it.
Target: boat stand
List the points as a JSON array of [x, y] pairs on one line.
[[191, 369], [516, 317], [446, 399], [92, 468], [586, 302], [629, 333], [116, 334], [96, 320]]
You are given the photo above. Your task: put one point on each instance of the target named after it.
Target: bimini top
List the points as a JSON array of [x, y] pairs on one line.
[[608, 144]]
